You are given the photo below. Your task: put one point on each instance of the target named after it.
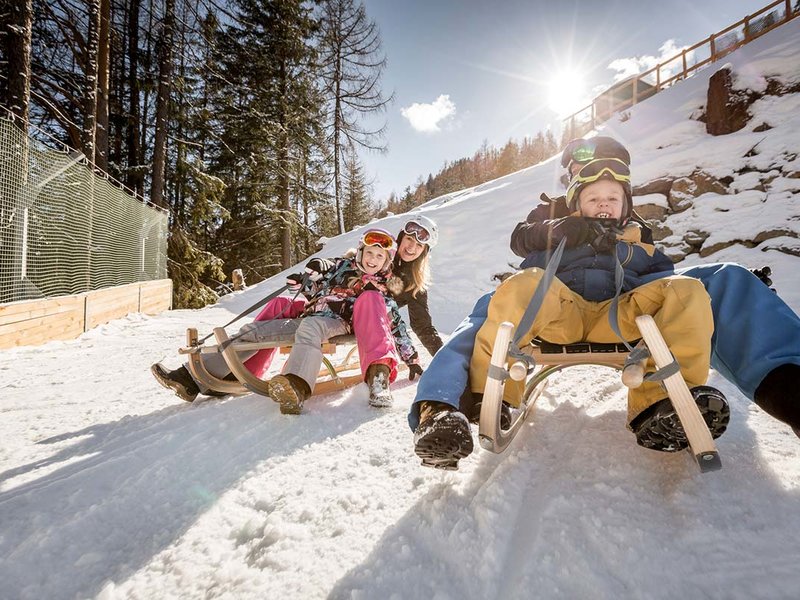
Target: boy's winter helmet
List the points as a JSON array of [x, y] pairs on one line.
[[423, 229], [604, 168], [375, 236]]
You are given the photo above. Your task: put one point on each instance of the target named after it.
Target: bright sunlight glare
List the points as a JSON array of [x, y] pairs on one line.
[[566, 93]]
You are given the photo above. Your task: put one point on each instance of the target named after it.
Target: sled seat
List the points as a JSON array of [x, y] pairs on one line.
[[548, 353], [329, 378]]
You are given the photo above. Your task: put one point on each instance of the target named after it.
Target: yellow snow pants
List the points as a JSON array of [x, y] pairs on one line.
[[679, 305]]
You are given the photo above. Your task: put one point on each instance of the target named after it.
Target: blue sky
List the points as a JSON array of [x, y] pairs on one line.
[[464, 71]]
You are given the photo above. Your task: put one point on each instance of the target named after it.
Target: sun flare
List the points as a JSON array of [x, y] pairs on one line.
[[566, 92]]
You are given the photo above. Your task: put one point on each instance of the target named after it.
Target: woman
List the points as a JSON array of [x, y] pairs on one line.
[[411, 264]]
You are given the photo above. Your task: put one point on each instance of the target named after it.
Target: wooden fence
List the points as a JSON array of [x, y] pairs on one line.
[[643, 85], [33, 322]]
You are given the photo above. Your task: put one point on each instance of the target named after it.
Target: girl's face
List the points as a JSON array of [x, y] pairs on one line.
[[373, 258], [603, 199], [409, 248]]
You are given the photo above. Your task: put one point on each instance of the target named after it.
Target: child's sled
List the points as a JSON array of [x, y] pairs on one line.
[[330, 378], [551, 358]]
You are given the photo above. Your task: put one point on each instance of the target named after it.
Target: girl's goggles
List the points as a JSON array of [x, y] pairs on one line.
[[610, 168], [418, 231], [378, 237]]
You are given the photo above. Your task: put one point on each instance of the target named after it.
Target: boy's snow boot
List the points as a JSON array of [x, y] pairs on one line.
[[777, 395], [443, 436], [290, 391], [505, 414], [179, 381], [378, 383], [658, 427]]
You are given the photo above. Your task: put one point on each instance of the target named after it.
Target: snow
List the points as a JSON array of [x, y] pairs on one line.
[[111, 487]]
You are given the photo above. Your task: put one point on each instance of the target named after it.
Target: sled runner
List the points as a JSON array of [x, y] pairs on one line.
[[551, 358], [329, 378]]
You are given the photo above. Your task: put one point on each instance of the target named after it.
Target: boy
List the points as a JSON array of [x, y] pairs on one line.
[[598, 233]]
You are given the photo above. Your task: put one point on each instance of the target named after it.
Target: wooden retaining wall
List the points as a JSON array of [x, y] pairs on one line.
[[33, 322]]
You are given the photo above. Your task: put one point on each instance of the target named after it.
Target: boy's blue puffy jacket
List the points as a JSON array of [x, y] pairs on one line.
[[590, 273]]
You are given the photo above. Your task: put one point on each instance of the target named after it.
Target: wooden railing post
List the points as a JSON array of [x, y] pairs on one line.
[[713, 48], [658, 78], [747, 28], [635, 90], [684, 63]]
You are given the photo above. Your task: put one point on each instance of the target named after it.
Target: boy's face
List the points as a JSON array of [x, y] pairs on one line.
[[373, 258], [602, 199]]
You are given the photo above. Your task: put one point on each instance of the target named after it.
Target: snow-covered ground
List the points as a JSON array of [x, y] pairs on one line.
[[111, 487]]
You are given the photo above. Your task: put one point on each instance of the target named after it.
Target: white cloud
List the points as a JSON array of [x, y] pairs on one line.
[[427, 117], [626, 67]]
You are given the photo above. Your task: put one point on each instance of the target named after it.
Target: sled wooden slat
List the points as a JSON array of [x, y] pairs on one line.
[[206, 379], [328, 347], [700, 441]]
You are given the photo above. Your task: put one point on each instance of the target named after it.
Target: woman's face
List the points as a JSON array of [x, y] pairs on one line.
[[409, 248], [373, 258]]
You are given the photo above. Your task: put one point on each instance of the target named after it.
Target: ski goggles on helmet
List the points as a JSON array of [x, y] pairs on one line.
[[378, 237], [609, 168], [418, 231]]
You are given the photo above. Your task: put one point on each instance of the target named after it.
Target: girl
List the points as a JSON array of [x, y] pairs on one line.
[[340, 293]]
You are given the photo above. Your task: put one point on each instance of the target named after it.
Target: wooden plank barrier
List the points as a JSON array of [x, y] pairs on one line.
[[34, 322]]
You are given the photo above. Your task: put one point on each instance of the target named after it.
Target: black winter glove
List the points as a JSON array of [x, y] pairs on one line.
[[414, 371], [764, 275], [317, 266], [295, 281], [574, 229], [603, 233]]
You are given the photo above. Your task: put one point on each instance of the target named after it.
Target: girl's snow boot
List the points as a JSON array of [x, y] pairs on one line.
[[378, 383], [290, 391]]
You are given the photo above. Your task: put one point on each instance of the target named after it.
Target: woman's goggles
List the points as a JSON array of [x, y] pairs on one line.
[[581, 151], [610, 168], [418, 231], [377, 237]]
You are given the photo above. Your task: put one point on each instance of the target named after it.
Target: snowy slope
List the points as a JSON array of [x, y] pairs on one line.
[[110, 487]]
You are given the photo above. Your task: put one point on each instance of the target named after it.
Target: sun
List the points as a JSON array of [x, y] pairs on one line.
[[566, 92]]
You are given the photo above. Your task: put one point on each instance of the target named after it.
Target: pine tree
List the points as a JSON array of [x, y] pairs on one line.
[[352, 64], [266, 106], [357, 206]]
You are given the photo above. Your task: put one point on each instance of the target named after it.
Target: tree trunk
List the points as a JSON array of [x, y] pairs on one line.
[[162, 105], [17, 49], [103, 60], [134, 178], [337, 128], [283, 178], [88, 135]]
